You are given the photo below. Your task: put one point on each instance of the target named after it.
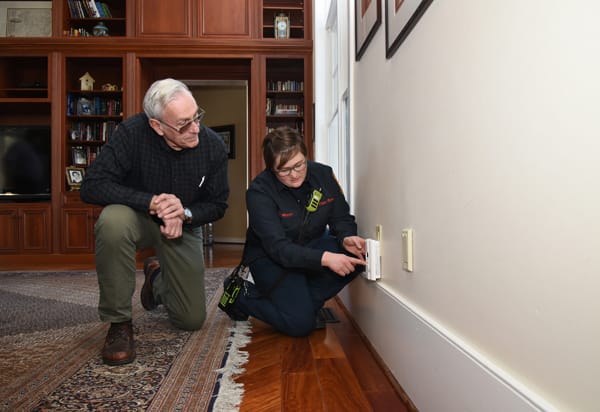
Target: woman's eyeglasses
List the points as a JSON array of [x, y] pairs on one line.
[[286, 171], [186, 126]]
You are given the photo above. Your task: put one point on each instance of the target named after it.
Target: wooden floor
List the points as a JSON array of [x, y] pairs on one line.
[[333, 369]]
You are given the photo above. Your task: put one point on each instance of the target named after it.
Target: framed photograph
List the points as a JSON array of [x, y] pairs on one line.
[[227, 133], [401, 16], [25, 18], [79, 156], [368, 19], [75, 177]]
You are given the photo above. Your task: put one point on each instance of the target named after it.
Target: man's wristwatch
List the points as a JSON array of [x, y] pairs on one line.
[[187, 213]]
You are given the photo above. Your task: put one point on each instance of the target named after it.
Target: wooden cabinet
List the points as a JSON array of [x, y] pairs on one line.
[[226, 18], [26, 228], [185, 18], [192, 40], [78, 228], [24, 101], [159, 18]]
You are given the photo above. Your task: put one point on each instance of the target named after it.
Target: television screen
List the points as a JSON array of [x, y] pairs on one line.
[[25, 162]]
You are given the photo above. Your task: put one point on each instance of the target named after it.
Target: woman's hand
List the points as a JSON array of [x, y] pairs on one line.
[[339, 263], [355, 245]]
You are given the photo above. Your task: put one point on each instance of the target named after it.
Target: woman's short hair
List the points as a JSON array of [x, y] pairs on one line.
[[284, 142], [160, 93]]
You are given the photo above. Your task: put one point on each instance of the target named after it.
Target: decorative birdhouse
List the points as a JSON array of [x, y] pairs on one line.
[[87, 82]]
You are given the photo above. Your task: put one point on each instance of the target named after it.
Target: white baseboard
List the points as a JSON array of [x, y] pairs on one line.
[[437, 371]]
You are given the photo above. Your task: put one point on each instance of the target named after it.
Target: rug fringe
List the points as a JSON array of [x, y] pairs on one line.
[[231, 393]]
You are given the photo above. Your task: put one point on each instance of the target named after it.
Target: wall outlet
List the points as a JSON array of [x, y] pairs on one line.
[[378, 232]]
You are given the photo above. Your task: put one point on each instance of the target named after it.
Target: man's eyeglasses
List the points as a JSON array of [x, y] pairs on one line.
[[186, 126], [286, 171]]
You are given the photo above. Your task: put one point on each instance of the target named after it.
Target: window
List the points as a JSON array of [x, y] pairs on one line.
[[338, 122]]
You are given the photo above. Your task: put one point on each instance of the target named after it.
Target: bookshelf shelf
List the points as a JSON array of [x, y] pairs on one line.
[[82, 16]]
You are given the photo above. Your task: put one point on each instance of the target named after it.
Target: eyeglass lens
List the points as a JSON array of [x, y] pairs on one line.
[[296, 168], [197, 119]]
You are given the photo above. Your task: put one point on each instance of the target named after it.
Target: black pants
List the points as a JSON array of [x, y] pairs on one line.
[[292, 305]]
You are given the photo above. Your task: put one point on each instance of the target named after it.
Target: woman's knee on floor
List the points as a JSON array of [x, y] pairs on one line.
[[299, 324]]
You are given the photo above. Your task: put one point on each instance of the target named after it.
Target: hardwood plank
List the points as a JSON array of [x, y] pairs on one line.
[[368, 371], [302, 392], [265, 348], [378, 381], [325, 344], [341, 390], [297, 355], [262, 389]]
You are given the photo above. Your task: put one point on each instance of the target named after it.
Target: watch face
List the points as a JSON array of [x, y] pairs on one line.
[[281, 25]]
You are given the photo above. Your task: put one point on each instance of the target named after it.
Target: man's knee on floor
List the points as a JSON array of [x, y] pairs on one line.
[[189, 321]]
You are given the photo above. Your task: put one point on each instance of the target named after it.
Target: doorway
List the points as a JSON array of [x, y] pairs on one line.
[[226, 105]]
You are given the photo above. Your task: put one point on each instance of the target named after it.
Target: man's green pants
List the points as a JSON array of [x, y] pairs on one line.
[[120, 232]]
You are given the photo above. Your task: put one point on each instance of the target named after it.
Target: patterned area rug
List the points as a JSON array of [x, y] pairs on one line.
[[50, 341]]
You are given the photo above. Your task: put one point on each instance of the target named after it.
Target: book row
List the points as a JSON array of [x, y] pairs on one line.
[[95, 106], [86, 9], [93, 131], [285, 86]]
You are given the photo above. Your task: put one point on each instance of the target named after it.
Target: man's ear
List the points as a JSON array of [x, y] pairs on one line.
[[155, 124]]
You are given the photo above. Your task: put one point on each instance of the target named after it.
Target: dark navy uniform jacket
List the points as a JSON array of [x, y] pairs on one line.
[[276, 214]]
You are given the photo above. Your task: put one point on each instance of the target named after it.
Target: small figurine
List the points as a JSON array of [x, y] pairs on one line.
[[107, 87], [87, 82], [100, 30]]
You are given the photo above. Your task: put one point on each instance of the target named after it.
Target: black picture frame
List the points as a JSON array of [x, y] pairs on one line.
[[79, 156], [367, 19], [227, 133], [401, 16]]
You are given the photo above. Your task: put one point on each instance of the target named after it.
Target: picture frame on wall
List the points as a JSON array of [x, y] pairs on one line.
[[25, 18], [227, 133], [367, 20], [401, 16]]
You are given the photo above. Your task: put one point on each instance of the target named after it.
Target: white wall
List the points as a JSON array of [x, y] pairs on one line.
[[482, 134]]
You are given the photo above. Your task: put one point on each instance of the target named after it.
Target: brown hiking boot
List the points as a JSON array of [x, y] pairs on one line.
[[119, 347], [151, 270]]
